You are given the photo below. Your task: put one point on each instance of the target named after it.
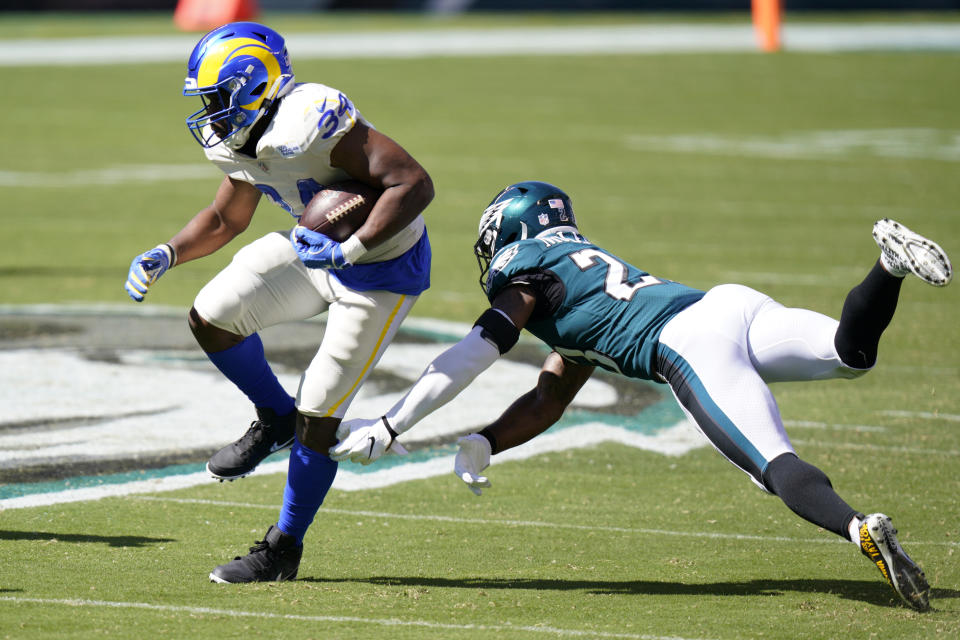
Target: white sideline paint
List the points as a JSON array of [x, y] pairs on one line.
[[126, 174], [535, 523], [386, 622], [537, 41], [899, 143]]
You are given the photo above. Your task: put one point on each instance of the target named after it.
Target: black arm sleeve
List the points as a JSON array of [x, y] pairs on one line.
[[497, 329]]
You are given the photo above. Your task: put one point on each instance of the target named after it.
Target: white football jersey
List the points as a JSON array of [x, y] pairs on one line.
[[293, 157]]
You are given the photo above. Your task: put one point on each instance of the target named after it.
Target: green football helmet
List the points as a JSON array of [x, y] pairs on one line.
[[522, 210]]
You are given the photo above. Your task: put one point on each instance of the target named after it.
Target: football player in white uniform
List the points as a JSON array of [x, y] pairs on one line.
[[717, 350], [273, 137]]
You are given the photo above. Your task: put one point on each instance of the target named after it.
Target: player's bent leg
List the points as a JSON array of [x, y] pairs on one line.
[[704, 357], [264, 285], [359, 327], [789, 344], [275, 558]]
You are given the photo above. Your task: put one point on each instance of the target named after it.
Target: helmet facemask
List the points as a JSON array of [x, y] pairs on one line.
[[220, 112], [483, 248]]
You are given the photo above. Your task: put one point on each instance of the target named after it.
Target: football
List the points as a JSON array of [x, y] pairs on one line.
[[339, 209]]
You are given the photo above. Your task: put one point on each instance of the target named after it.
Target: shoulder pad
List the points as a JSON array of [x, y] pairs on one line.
[[312, 116]]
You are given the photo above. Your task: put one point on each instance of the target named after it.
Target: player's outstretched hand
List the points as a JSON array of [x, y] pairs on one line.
[[146, 269], [364, 441], [472, 458], [316, 250]]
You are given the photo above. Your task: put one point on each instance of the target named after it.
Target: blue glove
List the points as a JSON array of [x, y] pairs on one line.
[[146, 268], [316, 250]]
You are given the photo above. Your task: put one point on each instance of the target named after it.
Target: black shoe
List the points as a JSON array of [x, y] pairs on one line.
[[274, 559], [267, 434]]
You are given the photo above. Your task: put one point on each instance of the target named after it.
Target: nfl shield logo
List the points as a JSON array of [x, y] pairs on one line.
[[544, 219]]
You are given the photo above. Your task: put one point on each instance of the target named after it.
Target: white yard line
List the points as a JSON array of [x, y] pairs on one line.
[[856, 446], [812, 424], [531, 523], [926, 415], [386, 622]]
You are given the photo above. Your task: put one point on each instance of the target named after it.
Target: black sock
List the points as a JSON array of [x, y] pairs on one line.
[[867, 311], [808, 492]]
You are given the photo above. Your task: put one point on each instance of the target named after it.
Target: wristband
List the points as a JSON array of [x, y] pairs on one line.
[[393, 434], [352, 249], [486, 433], [168, 249]]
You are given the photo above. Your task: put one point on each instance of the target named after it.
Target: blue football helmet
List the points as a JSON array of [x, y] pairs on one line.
[[238, 70], [522, 210]]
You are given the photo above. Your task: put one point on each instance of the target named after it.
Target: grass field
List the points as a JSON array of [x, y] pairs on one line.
[[767, 170]]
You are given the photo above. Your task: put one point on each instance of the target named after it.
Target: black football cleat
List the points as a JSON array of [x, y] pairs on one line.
[[274, 559], [267, 434]]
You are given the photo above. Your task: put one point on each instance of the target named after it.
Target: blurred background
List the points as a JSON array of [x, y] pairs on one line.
[[490, 5]]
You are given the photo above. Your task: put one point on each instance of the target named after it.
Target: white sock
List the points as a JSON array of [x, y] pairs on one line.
[[892, 270], [853, 530]]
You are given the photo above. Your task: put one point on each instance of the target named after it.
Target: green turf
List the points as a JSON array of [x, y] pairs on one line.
[[795, 228]]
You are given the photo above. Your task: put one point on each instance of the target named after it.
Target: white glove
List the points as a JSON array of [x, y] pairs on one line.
[[364, 441], [472, 458]]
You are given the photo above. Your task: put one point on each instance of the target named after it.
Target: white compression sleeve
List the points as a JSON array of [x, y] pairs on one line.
[[443, 379]]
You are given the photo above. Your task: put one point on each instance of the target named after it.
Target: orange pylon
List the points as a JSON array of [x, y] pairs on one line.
[[767, 16], [204, 15]]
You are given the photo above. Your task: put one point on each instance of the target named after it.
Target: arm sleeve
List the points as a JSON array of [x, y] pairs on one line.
[[443, 379]]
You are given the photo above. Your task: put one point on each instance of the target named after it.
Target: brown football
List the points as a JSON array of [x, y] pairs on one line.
[[339, 209]]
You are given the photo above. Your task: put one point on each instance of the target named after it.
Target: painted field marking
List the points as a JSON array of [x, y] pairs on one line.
[[386, 622], [915, 143], [529, 41], [531, 523], [878, 447], [812, 424], [927, 415], [128, 174]]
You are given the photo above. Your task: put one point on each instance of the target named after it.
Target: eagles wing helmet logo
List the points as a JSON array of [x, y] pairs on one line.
[[95, 350]]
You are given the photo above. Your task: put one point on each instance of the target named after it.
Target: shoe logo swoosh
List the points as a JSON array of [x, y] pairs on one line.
[[276, 446], [372, 441]]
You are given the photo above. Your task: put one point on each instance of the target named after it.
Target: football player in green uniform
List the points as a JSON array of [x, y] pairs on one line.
[[717, 350]]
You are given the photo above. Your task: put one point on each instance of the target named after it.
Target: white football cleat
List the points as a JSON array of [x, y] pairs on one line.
[[878, 541], [904, 251]]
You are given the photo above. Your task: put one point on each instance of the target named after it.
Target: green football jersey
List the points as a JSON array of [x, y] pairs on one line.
[[593, 308]]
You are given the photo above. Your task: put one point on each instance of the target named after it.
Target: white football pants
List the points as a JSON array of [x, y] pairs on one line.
[[266, 284], [718, 356]]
